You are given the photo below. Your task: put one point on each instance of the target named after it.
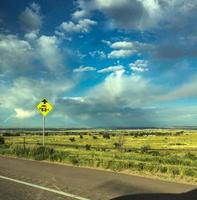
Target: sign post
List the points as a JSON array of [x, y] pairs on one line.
[[43, 134], [44, 107]]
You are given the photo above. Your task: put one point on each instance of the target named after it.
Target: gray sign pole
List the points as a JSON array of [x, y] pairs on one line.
[[43, 138]]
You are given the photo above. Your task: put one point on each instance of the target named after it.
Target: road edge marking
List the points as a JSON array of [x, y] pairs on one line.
[[44, 188]]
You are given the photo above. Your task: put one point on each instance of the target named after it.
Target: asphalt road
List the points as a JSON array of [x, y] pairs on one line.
[[33, 180]]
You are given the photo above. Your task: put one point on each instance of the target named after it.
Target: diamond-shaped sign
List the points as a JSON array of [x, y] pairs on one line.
[[44, 107]]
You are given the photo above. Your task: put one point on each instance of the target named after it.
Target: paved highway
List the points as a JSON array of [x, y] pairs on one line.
[[32, 180]]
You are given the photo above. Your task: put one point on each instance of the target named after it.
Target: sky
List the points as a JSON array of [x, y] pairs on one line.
[[100, 63]]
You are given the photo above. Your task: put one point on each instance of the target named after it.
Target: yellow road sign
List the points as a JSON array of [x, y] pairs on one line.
[[44, 107]]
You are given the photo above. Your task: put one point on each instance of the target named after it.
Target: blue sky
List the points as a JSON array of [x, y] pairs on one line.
[[101, 63]]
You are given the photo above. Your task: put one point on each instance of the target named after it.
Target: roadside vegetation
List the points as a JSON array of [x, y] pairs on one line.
[[170, 154]]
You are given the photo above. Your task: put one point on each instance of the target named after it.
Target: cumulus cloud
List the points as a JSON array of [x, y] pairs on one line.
[[118, 100], [48, 50], [82, 26], [22, 114], [98, 54], [84, 69], [31, 18], [139, 66], [123, 49], [116, 68], [15, 54], [30, 70], [23, 94], [78, 14], [20, 55], [141, 14], [122, 53]]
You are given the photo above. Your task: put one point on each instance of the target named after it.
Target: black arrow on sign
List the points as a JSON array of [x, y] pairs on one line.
[[44, 101]]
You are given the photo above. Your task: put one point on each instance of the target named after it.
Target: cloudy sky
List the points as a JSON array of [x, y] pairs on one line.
[[101, 63]]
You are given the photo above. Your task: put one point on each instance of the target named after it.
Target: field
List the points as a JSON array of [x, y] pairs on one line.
[[164, 153]]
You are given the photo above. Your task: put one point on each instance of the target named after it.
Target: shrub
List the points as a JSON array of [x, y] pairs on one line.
[[81, 136], [141, 166], [189, 172], [42, 153], [106, 135], [175, 171], [88, 147], [117, 145], [190, 156], [94, 137], [75, 160], [2, 140], [72, 139], [145, 148], [163, 169], [155, 153]]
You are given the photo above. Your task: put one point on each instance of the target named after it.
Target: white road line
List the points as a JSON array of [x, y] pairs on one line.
[[44, 188]]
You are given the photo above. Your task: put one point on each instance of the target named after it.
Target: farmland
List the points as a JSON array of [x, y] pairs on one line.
[[163, 153]]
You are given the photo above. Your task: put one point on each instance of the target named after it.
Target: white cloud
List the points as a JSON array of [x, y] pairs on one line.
[[123, 45], [84, 69], [19, 56], [139, 66], [31, 18], [125, 49], [98, 54], [78, 14], [115, 68], [23, 94], [15, 54], [122, 53], [48, 50], [82, 26], [31, 36], [22, 114]]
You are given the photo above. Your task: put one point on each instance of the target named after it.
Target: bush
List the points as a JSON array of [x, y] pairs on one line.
[[94, 137], [106, 135], [117, 145], [163, 169], [190, 156], [189, 172], [42, 153], [141, 166], [81, 136], [72, 139], [175, 171], [155, 153], [145, 148], [88, 147], [75, 160], [2, 140]]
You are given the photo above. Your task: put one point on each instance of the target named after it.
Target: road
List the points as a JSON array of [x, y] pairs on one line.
[[32, 180]]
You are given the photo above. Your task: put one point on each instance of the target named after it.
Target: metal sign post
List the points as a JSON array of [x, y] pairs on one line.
[[44, 107], [43, 134]]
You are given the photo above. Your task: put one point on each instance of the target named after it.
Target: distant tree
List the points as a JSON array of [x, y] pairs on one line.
[[145, 148], [72, 139], [88, 147], [120, 142], [2, 140], [106, 135], [94, 137]]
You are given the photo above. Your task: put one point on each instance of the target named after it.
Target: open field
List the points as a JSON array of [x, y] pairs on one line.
[[165, 153]]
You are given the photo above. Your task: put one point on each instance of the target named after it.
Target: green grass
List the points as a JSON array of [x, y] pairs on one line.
[[163, 153]]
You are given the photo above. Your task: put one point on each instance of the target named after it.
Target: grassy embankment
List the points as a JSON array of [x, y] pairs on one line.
[[170, 154]]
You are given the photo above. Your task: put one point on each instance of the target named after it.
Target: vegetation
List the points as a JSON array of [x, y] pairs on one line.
[[164, 153], [2, 141]]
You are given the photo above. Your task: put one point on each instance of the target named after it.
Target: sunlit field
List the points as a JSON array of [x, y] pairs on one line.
[[170, 154]]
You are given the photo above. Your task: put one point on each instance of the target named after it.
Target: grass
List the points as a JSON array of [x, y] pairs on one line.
[[170, 154]]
